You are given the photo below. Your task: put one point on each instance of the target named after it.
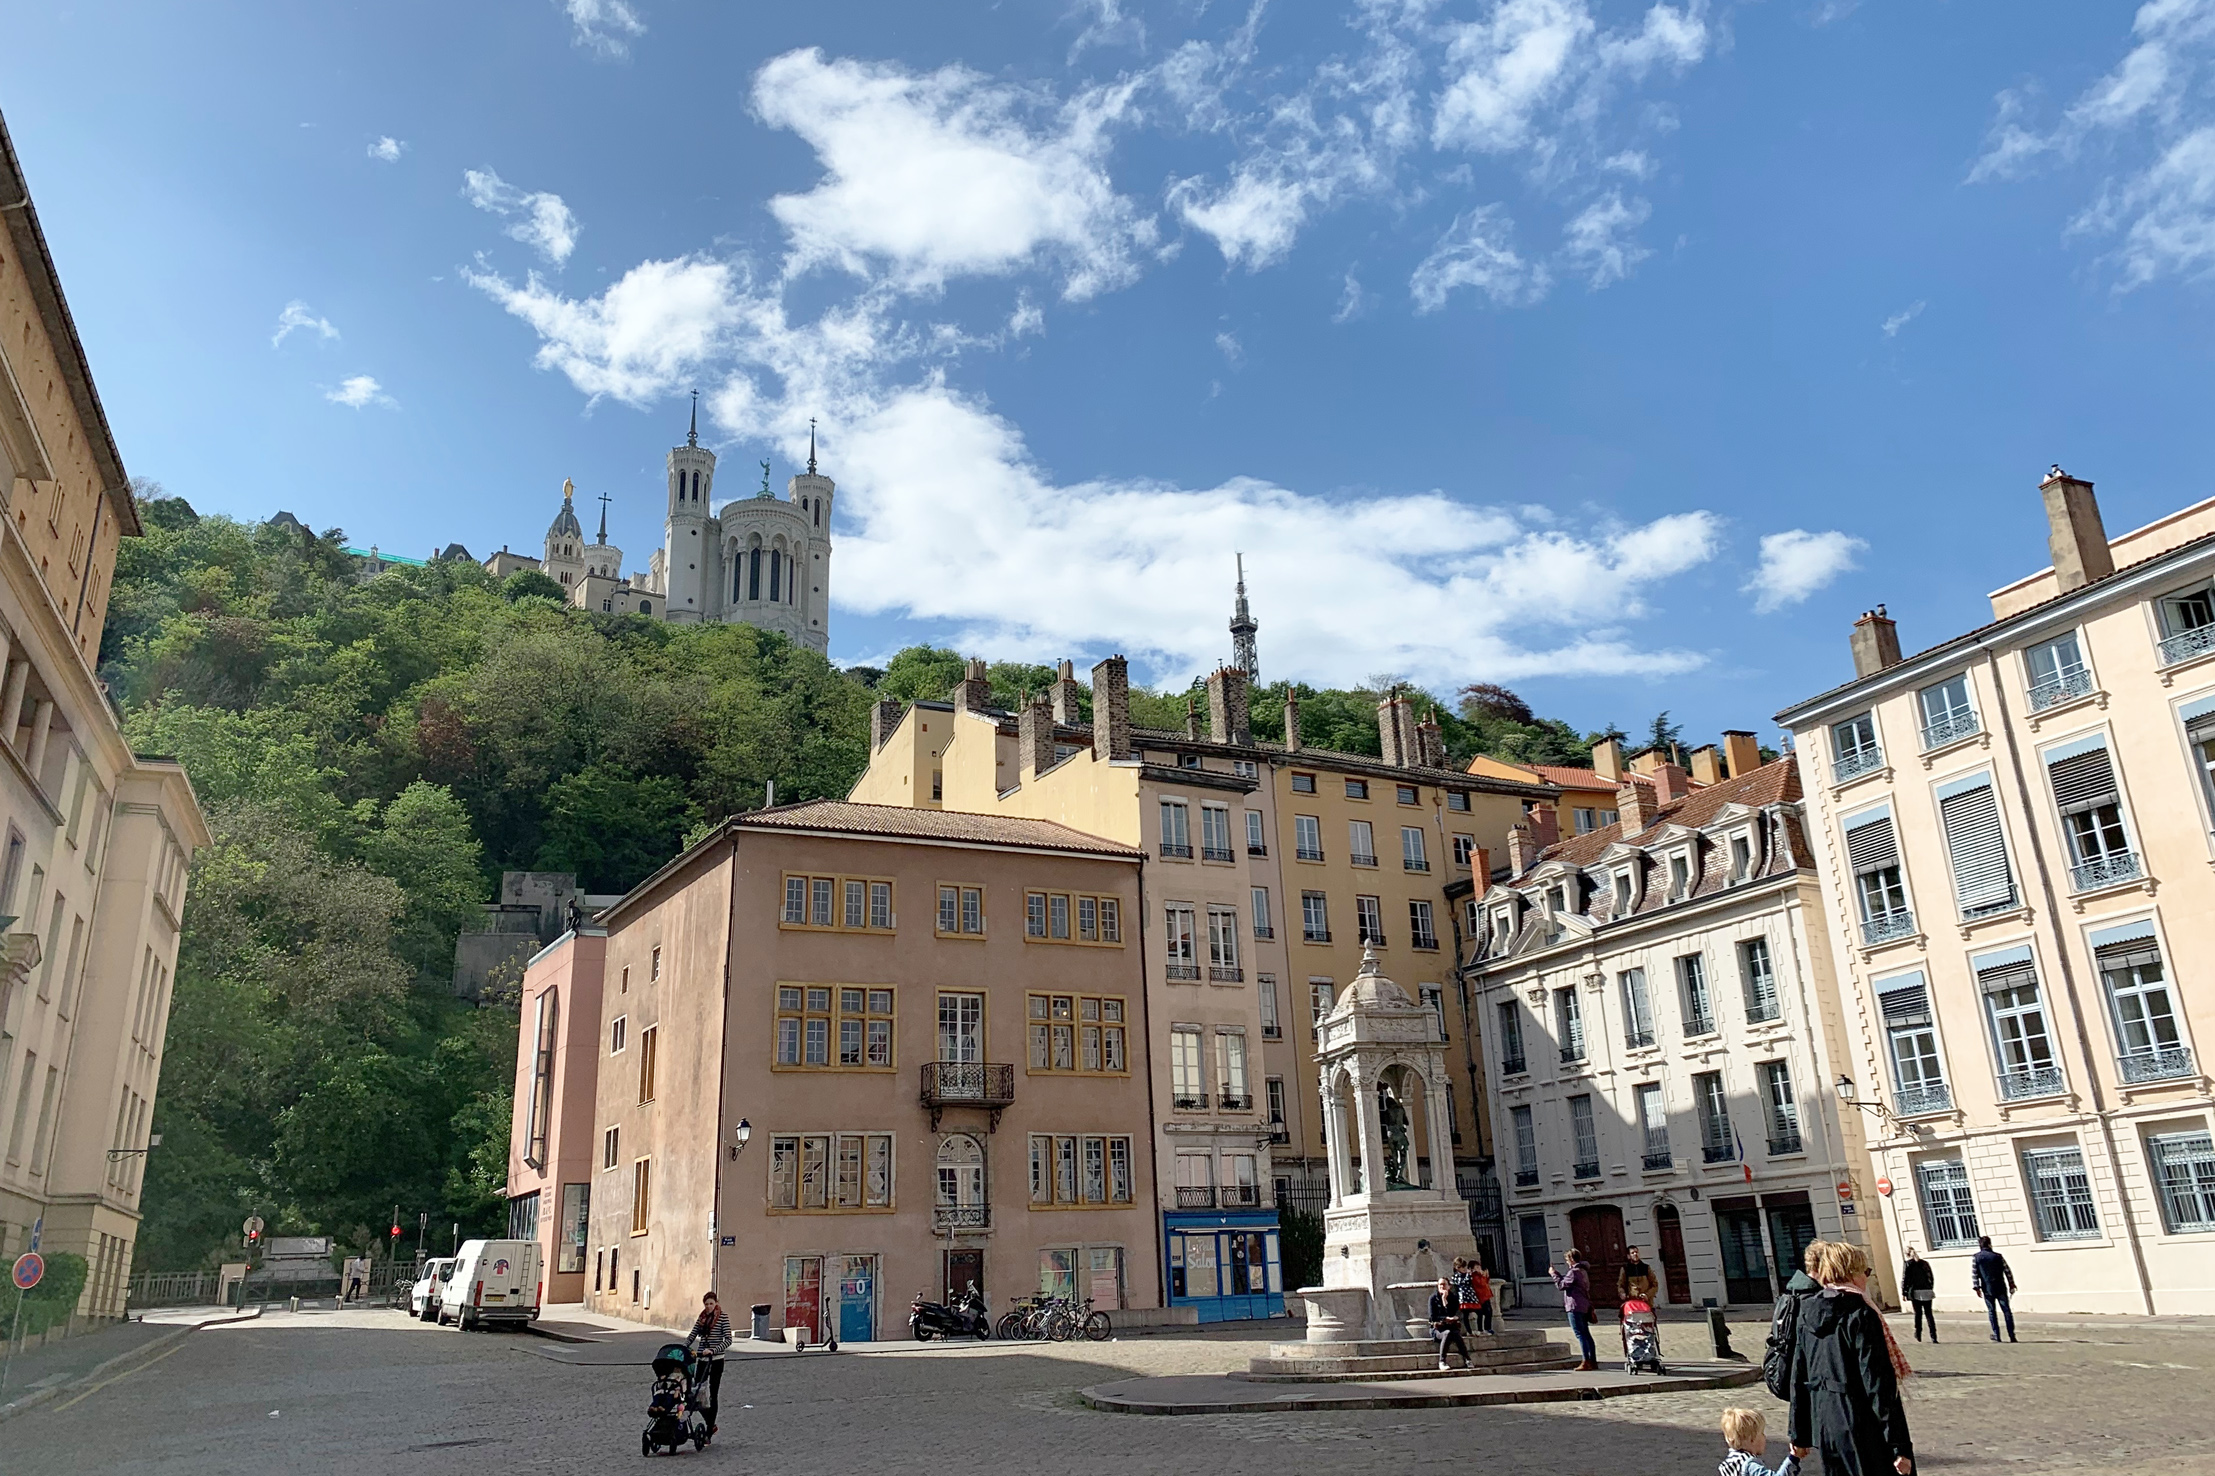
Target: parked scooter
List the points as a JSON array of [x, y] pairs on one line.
[[965, 1316]]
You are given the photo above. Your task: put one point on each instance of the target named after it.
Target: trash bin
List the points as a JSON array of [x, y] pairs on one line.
[[762, 1331]]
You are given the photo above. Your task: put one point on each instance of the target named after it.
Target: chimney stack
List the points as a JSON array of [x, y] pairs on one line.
[[1740, 752], [1229, 720], [1634, 807], [1646, 760], [1671, 784], [1876, 642], [1545, 824], [884, 718], [1607, 760], [1111, 709], [1396, 731], [1707, 764], [1034, 742], [1291, 719], [1520, 852], [1430, 743], [1192, 717], [1067, 696], [2079, 542], [974, 693]]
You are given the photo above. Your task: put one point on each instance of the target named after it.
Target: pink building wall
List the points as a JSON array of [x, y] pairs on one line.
[[563, 981]]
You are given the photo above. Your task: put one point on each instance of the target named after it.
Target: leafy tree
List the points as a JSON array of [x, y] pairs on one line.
[[612, 828], [1489, 702], [921, 674], [1667, 736], [531, 584], [423, 840]]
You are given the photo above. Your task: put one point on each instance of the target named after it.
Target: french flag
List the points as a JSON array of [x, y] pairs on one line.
[[1744, 1167]]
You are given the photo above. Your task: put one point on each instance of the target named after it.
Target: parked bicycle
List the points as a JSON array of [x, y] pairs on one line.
[[1055, 1320]]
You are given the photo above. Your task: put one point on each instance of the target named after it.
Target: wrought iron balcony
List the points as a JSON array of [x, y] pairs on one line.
[[1638, 1039], [1217, 853], [1524, 1178], [1951, 730], [1785, 1140], [1886, 926], [1414, 863], [1571, 1053], [1241, 1102], [1309, 853], [1427, 942], [1170, 848], [2186, 644], [2110, 870], [2037, 1081], [1358, 859], [1316, 935], [1854, 765], [1254, 850], [1717, 1153], [1218, 974], [1279, 1133], [1699, 1025], [1272, 1032], [1369, 935], [1189, 1101], [2067, 687], [1514, 1066], [1189, 973], [961, 1216], [1916, 1101], [967, 1084], [1658, 1158], [1762, 1011], [1195, 1196], [1587, 1170], [2165, 1064], [1240, 1196], [1264, 931]]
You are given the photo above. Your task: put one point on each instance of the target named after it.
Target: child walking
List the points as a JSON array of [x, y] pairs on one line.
[[1747, 1435]]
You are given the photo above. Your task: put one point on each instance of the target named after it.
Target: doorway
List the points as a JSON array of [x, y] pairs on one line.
[[1745, 1261], [962, 1268], [857, 1299], [803, 1294], [1675, 1273], [1791, 1230], [1597, 1231]]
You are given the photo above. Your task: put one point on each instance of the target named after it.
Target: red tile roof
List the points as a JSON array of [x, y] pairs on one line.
[[1775, 781], [897, 821]]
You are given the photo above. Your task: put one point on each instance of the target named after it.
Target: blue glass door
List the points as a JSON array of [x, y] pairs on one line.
[[857, 1299]]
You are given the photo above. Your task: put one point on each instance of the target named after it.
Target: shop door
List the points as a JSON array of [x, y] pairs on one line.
[[1791, 1232], [803, 1294], [1597, 1231], [1745, 1263], [962, 1268], [857, 1299], [1669, 1230]]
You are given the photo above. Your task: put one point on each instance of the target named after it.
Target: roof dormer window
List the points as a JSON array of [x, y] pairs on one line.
[[1741, 857], [1680, 877], [1622, 893]]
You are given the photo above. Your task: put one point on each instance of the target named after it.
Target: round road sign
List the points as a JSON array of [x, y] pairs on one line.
[[29, 1267], [1884, 1187]]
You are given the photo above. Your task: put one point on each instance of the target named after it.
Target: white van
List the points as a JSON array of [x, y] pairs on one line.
[[492, 1281]]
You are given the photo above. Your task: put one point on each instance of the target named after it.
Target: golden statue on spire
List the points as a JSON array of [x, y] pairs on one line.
[[568, 489]]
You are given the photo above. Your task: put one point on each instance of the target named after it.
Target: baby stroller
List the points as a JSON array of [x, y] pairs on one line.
[[671, 1418], [1641, 1338]]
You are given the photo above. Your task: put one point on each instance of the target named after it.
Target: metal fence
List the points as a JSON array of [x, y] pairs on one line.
[[389, 1281]]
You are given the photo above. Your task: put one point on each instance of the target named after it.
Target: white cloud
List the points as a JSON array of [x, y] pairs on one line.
[[359, 391], [387, 149], [539, 220], [1902, 318], [1595, 243], [1227, 344], [1532, 71], [1478, 251], [638, 340], [605, 26], [298, 315], [949, 174], [1351, 300], [1797, 563]]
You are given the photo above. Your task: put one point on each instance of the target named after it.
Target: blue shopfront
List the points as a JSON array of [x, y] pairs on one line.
[[1228, 1265]]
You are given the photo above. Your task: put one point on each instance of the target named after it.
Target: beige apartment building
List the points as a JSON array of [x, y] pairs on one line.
[[932, 1092], [2015, 829], [97, 840]]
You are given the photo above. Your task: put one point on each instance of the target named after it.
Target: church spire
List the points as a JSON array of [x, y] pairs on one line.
[[692, 436], [1243, 626], [604, 499], [811, 445]]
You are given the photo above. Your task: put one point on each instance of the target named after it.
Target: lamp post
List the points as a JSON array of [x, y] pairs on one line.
[[741, 1134], [1849, 1094]]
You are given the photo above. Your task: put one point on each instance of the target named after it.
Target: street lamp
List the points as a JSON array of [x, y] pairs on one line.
[[740, 1137], [1849, 1094], [153, 1141]]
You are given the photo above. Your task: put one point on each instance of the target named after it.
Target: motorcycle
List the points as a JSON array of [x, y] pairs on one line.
[[965, 1315]]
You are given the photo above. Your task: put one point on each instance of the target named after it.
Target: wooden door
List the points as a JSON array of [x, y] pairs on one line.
[[963, 1267], [1669, 1230], [1597, 1231]]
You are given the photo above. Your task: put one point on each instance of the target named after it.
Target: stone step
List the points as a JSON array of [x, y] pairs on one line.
[[1414, 1358], [1386, 1347], [1429, 1369]]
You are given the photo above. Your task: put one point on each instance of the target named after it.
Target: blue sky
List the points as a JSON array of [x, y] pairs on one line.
[[1619, 352]]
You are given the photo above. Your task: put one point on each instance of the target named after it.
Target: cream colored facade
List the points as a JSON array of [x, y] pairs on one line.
[[2015, 831], [96, 841]]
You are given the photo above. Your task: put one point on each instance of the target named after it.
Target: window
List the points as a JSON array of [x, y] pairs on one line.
[[1854, 747], [1680, 878], [1873, 854], [1526, 1147], [1077, 1033], [961, 1187], [1303, 784], [1273, 1100], [1187, 1083], [1510, 1016], [1638, 1008], [1222, 946], [1369, 920], [2061, 1194], [2091, 805], [1413, 857], [1983, 881], [807, 1024], [1255, 839], [1262, 926], [1319, 999], [1465, 850], [961, 1028], [1215, 833], [1947, 715], [642, 1195], [1176, 831], [1422, 931], [1585, 820], [542, 1076], [1457, 799], [1246, 768], [2008, 981], [1265, 987], [2057, 672], [1569, 1024], [1760, 979], [1622, 894], [1361, 843], [1357, 789], [1699, 1010], [1230, 1065], [1714, 1108], [841, 903], [2146, 1033], [1080, 1169], [615, 1034], [1060, 917], [1741, 858], [1782, 1107], [653, 967], [2199, 733], [1434, 1000], [960, 911], [1918, 1076], [2184, 1165], [2187, 625], [1315, 924], [1307, 838], [1949, 1211], [1536, 1255], [611, 1148], [1587, 1135], [1179, 942], [1653, 1126], [648, 1039]]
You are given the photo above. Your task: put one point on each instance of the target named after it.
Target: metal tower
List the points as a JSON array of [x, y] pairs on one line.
[[1243, 626]]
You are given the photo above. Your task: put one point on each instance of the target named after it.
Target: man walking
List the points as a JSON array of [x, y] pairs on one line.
[[1990, 1278], [1636, 1279], [1919, 1284]]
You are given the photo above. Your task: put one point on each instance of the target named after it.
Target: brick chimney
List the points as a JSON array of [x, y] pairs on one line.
[[1520, 851], [1111, 709], [1707, 764], [884, 717], [1430, 743], [974, 692], [1192, 717], [1876, 642], [1634, 806], [1741, 753], [1671, 784], [1396, 731], [2079, 542], [1545, 824], [1646, 760], [1291, 719], [1067, 696], [1228, 718], [1607, 760], [1034, 741]]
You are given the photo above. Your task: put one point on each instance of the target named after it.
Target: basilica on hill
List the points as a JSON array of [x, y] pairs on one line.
[[761, 560]]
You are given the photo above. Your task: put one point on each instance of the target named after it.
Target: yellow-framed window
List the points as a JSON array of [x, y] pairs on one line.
[[844, 904], [1079, 1033], [1079, 1170], [1072, 917], [960, 911]]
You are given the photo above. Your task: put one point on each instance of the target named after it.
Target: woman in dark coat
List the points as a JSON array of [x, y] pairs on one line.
[[1846, 1374]]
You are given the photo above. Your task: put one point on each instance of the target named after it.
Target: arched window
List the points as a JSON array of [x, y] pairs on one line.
[[645, 608], [818, 512], [776, 566], [695, 486], [542, 1079], [753, 573], [961, 1198]]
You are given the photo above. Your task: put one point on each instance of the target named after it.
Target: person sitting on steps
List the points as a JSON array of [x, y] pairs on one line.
[[1445, 1317]]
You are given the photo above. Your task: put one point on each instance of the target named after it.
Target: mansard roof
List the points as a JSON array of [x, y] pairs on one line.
[[1775, 782]]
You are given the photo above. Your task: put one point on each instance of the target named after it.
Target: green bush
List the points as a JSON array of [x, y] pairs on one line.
[[50, 1302]]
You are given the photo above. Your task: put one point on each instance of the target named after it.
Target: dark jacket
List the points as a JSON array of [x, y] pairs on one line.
[[1989, 1275], [1445, 1311], [1845, 1397], [1917, 1276]]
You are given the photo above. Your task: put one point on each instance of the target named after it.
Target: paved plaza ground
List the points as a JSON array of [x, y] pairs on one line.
[[371, 1391]]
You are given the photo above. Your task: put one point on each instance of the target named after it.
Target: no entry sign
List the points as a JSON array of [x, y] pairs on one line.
[[29, 1267]]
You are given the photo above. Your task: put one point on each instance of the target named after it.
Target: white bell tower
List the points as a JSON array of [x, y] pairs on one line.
[[690, 563]]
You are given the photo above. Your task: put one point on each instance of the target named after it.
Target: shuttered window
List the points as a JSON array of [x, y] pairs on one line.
[[1983, 882], [1918, 1076], [2017, 1012], [1873, 854], [2083, 778], [1870, 843]]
